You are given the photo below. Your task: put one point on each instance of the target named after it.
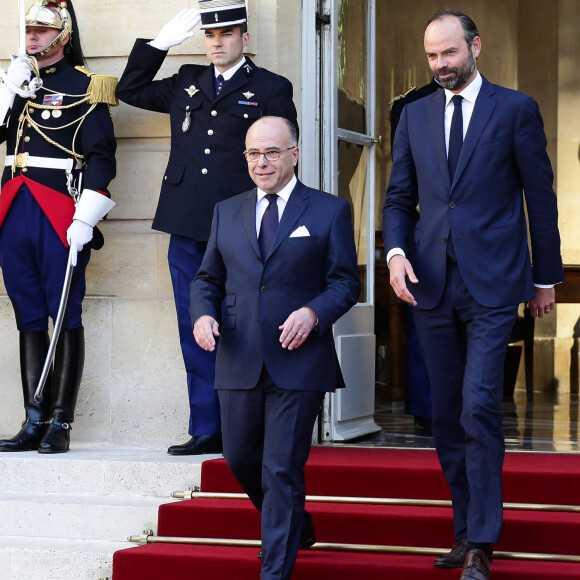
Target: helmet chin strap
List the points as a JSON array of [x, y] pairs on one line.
[[53, 44]]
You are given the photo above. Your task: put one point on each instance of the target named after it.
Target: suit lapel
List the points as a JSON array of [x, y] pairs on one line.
[[297, 203], [249, 218], [436, 115], [484, 106]]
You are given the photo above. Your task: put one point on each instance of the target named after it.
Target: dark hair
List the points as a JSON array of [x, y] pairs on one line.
[[469, 29], [244, 27], [73, 50]]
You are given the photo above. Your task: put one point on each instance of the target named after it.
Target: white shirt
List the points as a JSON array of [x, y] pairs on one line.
[[469, 94], [262, 202]]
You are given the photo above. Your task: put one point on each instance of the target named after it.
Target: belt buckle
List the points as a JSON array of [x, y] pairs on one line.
[[22, 160]]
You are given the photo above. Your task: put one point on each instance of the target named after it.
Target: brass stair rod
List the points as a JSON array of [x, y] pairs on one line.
[[150, 539], [381, 501]]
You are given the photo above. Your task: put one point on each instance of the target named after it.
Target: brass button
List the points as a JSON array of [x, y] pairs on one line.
[[24, 169], [27, 138]]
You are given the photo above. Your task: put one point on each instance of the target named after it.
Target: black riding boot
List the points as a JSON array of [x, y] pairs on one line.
[[33, 351], [68, 370]]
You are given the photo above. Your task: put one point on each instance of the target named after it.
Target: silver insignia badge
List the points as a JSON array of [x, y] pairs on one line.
[[248, 95], [191, 90], [216, 16], [186, 125]]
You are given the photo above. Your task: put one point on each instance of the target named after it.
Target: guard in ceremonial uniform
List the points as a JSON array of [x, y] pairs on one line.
[[60, 159], [211, 108]]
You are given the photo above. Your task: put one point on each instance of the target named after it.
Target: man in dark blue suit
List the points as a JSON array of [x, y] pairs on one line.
[[467, 156], [210, 108], [283, 286]]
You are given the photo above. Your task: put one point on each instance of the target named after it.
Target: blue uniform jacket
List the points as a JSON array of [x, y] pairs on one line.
[[206, 163]]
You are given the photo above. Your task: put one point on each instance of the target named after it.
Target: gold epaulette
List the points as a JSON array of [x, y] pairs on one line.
[[101, 88], [410, 90]]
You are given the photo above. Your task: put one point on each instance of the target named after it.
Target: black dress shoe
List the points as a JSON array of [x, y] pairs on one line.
[[199, 445], [476, 566], [307, 539], [456, 557]]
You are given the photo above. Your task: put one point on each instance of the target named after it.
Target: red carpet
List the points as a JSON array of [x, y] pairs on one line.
[[528, 478]]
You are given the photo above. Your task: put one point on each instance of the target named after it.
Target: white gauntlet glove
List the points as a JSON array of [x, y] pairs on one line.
[[91, 207], [18, 73], [78, 234], [177, 30]]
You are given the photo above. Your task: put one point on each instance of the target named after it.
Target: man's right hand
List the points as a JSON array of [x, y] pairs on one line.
[[400, 269], [205, 331], [19, 72], [178, 29]]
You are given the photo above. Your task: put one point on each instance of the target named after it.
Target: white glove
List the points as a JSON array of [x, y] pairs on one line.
[[18, 72], [78, 234], [177, 30]]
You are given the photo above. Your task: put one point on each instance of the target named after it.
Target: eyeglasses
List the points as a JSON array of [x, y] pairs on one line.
[[253, 156]]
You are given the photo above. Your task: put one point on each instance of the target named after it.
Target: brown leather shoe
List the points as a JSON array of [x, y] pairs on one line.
[[455, 558], [476, 566]]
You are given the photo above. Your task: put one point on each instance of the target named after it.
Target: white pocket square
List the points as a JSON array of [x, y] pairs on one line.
[[300, 232]]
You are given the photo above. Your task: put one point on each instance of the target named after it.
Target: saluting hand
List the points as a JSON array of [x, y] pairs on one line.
[[178, 29]]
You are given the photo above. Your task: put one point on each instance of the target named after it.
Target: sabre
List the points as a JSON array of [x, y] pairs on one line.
[[21, 28], [57, 327]]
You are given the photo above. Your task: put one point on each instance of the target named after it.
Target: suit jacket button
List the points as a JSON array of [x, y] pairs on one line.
[[263, 288], [452, 205], [259, 259], [443, 239]]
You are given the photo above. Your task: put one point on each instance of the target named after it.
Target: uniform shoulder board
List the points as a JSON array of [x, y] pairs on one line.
[[101, 88], [84, 70], [410, 90]]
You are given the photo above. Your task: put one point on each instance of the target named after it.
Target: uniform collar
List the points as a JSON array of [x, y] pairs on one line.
[[231, 71], [55, 67]]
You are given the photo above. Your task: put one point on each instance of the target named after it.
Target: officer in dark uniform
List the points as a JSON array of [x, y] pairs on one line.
[[417, 386], [211, 108], [60, 159]]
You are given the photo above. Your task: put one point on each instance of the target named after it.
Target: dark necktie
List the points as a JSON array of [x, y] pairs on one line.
[[455, 144], [269, 225], [219, 84], [455, 136]]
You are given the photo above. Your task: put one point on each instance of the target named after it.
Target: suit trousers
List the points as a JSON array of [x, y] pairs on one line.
[[33, 261], [267, 434], [464, 346], [184, 257]]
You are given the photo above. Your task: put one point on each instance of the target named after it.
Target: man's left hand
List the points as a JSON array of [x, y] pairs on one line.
[[78, 234], [297, 327], [543, 302]]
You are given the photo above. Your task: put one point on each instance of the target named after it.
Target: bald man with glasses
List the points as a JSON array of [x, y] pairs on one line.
[[282, 259]]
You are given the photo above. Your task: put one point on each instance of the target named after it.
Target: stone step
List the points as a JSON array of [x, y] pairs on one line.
[[56, 559], [110, 518], [101, 471]]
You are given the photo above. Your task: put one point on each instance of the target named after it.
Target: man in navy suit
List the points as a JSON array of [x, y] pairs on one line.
[[211, 108], [283, 286], [468, 162]]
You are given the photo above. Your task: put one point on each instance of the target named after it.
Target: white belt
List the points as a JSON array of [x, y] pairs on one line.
[[24, 160]]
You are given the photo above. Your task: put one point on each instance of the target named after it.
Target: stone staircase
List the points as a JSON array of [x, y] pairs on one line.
[[62, 516]]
